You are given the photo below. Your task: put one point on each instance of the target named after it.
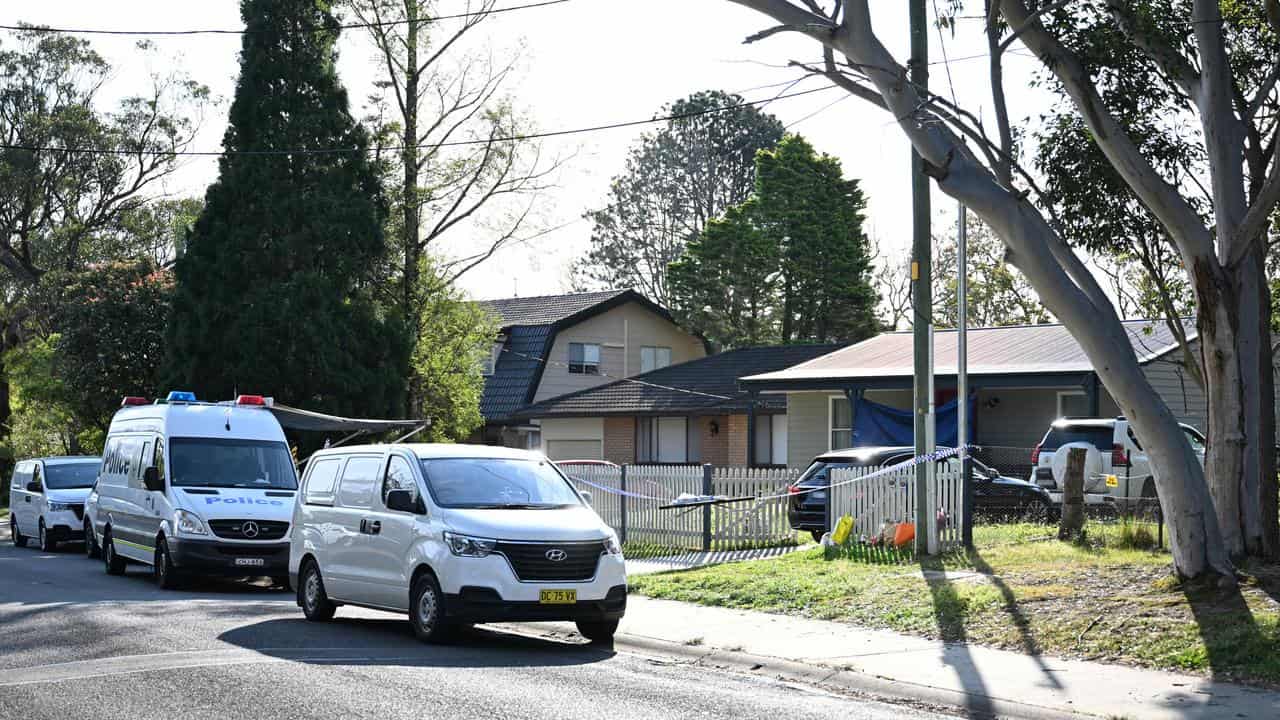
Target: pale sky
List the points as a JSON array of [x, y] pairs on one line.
[[589, 62]]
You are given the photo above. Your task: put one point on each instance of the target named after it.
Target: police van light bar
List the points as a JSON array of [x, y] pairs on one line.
[[181, 396], [251, 400], [130, 400]]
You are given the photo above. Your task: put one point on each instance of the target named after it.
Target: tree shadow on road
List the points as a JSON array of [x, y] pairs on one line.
[[390, 641]]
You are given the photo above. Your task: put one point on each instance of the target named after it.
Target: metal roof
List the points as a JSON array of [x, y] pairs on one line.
[[707, 385], [1016, 350]]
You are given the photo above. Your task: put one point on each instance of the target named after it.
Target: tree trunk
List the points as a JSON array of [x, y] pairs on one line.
[[1259, 522], [1224, 459], [1072, 522]]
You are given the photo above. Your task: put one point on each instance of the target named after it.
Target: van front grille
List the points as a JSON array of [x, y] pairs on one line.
[[235, 529], [532, 562]]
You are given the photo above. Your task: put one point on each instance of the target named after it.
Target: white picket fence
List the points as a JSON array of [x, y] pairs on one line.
[[749, 524], [891, 498]]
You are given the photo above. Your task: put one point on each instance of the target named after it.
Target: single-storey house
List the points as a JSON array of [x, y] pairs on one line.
[[1021, 379], [556, 344], [691, 412]]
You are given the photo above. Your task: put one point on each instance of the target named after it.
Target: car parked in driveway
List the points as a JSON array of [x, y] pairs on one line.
[[453, 535], [1119, 455], [994, 495], [46, 499]]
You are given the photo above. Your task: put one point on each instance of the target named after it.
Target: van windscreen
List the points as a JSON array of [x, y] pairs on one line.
[[67, 475], [504, 483], [228, 462]]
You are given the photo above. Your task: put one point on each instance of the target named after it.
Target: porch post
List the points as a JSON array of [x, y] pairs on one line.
[[854, 396], [751, 429], [1091, 393]]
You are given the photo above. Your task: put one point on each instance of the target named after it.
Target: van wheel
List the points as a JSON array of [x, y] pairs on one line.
[[91, 549], [426, 610], [14, 533], [165, 573], [598, 632], [114, 563], [316, 605], [47, 544]]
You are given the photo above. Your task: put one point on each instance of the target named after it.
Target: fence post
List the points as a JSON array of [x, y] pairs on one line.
[[622, 510], [966, 499], [706, 509]]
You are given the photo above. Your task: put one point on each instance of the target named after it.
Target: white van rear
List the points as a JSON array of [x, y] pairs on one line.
[[194, 488]]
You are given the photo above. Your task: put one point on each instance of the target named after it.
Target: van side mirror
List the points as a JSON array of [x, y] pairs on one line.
[[34, 486], [151, 479], [405, 501]]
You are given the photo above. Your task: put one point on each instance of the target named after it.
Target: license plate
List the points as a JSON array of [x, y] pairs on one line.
[[251, 562], [558, 597]]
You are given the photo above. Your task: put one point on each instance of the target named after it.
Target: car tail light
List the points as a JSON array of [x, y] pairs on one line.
[[1035, 455], [1118, 457]]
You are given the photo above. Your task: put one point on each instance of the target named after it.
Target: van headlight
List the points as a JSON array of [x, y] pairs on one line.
[[467, 546], [611, 544], [189, 523]]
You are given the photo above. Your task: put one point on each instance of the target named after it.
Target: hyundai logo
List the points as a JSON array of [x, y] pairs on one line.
[[249, 529], [556, 555]]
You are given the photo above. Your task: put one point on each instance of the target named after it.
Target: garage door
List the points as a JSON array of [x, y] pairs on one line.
[[574, 449]]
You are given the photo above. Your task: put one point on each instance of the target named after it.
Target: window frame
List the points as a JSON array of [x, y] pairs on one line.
[[654, 351], [338, 500], [583, 366], [831, 419], [327, 497], [1065, 394], [386, 476]]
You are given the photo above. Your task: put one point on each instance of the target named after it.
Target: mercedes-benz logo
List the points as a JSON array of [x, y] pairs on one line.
[[249, 529], [556, 555]]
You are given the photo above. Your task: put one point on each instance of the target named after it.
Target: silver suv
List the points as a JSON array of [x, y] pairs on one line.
[[1122, 473]]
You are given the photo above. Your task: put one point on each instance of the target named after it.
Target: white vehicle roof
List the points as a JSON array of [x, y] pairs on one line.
[[208, 420], [66, 459], [431, 451]]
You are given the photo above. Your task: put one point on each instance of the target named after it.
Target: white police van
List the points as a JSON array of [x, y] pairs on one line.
[[452, 535], [195, 488]]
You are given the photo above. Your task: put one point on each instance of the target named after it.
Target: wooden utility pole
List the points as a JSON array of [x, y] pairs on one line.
[[1072, 522], [921, 294]]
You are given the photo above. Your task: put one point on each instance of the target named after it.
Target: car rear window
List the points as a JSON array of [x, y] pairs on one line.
[[1097, 436]]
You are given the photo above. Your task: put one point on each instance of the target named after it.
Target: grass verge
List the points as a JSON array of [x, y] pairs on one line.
[[1021, 590]]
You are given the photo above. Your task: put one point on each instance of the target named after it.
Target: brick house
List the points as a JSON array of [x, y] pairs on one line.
[[691, 412]]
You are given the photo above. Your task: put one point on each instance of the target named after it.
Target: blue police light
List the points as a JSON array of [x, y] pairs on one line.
[[181, 396]]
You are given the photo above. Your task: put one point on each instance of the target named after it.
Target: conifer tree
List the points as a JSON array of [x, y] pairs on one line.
[[272, 290]]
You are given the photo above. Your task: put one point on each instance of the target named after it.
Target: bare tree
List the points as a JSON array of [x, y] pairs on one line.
[[985, 178], [441, 94]]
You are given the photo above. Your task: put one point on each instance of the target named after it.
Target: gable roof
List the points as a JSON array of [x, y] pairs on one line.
[[516, 371], [1015, 350], [702, 386], [563, 309]]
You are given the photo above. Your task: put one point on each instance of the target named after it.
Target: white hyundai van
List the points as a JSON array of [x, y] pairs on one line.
[[453, 535], [46, 499], [194, 488]]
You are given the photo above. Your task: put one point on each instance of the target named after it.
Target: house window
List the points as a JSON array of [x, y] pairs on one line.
[[654, 358], [662, 440], [1073, 403], [839, 424], [584, 359], [771, 440]]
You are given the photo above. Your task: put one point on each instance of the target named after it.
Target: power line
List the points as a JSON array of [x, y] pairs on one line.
[[246, 31], [392, 148]]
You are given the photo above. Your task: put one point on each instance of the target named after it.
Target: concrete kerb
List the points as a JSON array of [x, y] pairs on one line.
[[820, 676]]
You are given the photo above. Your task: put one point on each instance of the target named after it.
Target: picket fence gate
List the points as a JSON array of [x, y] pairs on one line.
[[876, 500], [629, 499]]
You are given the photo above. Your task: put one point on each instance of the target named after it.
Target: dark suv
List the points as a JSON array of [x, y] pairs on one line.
[[994, 495]]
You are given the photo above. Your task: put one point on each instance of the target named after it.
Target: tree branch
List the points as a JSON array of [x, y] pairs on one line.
[[1172, 63]]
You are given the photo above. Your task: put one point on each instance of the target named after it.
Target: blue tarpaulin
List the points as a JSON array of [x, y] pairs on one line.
[[876, 424]]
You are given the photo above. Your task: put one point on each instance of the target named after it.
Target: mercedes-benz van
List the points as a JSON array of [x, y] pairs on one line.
[[46, 499], [194, 488], [453, 535]]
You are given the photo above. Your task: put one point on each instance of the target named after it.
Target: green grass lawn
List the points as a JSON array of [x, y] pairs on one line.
[[1020, 590]]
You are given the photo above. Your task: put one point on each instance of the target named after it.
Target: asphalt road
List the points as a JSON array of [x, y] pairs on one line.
[[77, 643]]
